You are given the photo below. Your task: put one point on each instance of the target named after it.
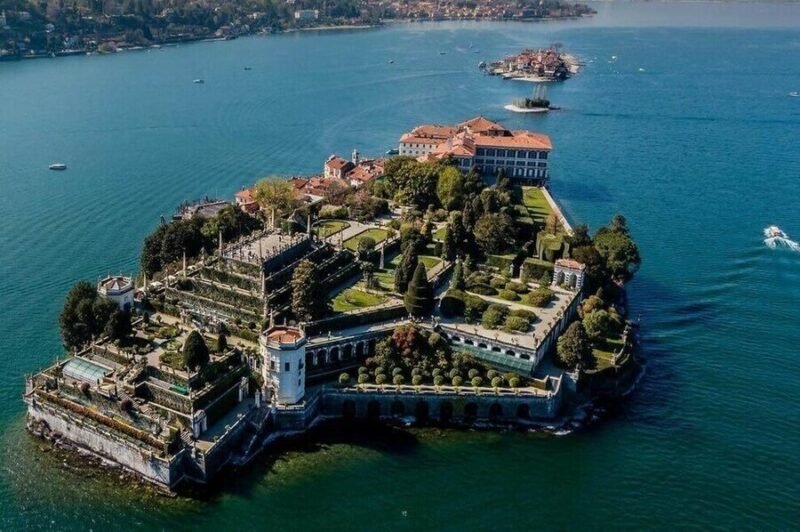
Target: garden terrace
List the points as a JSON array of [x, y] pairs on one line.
[[220, 274], [318, 256], [354, 299], [269, 250], [536, 204], [375, 233], [326, 228], [204, 306]]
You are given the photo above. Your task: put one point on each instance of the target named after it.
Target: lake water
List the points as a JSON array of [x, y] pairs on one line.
[[690, 133]]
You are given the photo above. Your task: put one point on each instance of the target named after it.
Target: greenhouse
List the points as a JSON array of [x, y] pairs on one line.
[[83, 370]]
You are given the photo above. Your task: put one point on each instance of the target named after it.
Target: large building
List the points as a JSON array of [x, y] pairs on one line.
[[484, 145]]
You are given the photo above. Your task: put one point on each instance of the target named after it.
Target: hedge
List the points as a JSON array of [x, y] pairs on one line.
[[354, 319], [535, 268], [502, 262]]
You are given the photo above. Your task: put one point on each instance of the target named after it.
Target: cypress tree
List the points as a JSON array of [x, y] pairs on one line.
[[309, 300], [405, 270], [195, 351], [449, 244], [222, 343], [419, 296], [458, 277]]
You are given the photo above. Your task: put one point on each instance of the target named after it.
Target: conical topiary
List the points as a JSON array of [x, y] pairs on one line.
[[419, 296]]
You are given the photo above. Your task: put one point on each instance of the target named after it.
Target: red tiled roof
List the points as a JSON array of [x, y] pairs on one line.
[[571, 264]]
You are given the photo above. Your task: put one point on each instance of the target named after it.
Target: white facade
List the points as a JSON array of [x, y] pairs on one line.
[[283, 350], [118, 289], [569, 273]]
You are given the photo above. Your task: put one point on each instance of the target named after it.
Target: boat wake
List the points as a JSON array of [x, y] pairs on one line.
[[775, 238]]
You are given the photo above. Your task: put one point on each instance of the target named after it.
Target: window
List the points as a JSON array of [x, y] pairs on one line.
[[531, 163], [490, 152], [501, 153], [480, 151], [542, 155], [542, 165], [520, 163], [521, 154], [287, 366], [299, 382], [272, 365]]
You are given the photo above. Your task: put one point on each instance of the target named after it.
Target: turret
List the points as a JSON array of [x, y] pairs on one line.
[[283, 350]]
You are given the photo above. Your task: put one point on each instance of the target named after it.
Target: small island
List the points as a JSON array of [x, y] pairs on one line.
[[538, 103], [540, 65], [440, 287]]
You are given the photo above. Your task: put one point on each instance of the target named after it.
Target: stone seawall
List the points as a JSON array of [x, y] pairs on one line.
[[50, 421]]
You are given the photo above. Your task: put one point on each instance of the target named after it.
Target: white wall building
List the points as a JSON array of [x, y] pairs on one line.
[[119, 289], [283, 350]]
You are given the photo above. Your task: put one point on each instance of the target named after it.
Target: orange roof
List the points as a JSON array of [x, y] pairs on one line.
[[284, 334], [460, 145], [571, 264], [245, 195], [337, 163], [519, 139], [480, 124]]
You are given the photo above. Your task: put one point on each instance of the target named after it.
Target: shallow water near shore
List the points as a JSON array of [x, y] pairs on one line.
[[699, 151]]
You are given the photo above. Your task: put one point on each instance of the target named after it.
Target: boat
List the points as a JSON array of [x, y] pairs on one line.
[[58, 166], [775, 237], [774, 231], [248, 68], [794, 94], [442, 53], [198, 81], [393, 151], [391, 61]]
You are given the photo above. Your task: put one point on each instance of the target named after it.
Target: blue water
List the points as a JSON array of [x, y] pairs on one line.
[[700, 150]]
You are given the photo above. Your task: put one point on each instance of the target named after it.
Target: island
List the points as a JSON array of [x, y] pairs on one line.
[[539, 65], [51, 28], [443, 286]]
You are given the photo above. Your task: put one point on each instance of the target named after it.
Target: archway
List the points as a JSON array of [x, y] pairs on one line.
[[371, 347], [495, 412], [335, 354], [311, 359], [360, 349], [573, 280], [373, 409], [470, 412], [559, 279], [349, 408], [398, 408], [421, 411], [523, 411], [445, 411], [348, 351]]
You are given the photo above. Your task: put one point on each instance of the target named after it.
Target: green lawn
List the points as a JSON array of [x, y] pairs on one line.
[[352, 299], [604, 352], [428, 260], [438, 235], [330, 227], [535, 203], [379, 235]]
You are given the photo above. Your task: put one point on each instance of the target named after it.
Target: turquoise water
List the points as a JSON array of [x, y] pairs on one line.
[[699, 150]]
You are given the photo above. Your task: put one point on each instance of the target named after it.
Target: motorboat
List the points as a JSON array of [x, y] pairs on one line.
[[198, 81], [58, 166]]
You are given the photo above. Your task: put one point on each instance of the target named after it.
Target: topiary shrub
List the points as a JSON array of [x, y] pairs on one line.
[[509, 295], [363, 378], [494, 316], [438, 380], [540, 297], [519, 288], [491, 374], [483, 290], [522, 313], [416, 371], [396, 371], [436, 372], [516, 324], [416, 380], [380, 378], [398, 379], [362, 370], [474, 308], [514, 382], [497, 382], [457, 381], [497, 282], [454, 373], [476, 381], [344, 378], [380, 370], [473, 373], [452, 304]]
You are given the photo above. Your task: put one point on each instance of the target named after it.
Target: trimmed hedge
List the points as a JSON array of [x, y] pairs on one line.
[[535, 268], [501, 262], [354, 319]]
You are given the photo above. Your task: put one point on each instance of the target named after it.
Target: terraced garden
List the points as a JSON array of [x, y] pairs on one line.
[[330, 227], [354, 299], [377, 234]]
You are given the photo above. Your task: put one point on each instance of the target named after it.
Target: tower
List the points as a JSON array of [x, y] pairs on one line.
[[283, 350], [356, 157]]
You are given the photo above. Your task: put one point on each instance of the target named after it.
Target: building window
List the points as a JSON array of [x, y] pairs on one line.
[[521, 154], [520, 163], [531, 163], [287, 366], [490, 152], [501, 153], [542, 155], [542, 165], [272, 365], [481, 151]]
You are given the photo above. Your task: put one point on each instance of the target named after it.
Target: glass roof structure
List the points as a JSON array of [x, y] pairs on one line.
[[83, 370]]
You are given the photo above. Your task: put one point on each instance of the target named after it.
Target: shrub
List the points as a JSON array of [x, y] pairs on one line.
[[415, 372], [483, 290], [398, 379], [416, 380], [474, 308], [522, 313], [473, 373], [534, 268], [166, 332], [380, 370], [477, 278], [515, 323], [453, 304], [454, 373], [509, 295], [457, 381], [516, 287], [476, 381], [491, 374], [514, 382], [497, 282], [362, 370], [438, 380], [497, 382], [344, 378], [363, 378], [380, 378], [494, 316], [195, 351], [436, 372], [396, 371], [540, 297]]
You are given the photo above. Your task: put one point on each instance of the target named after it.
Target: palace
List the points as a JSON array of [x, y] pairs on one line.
[[483, 145]]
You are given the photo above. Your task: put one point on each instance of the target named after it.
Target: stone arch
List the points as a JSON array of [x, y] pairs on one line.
[[347, 351], [470, 412], [510, 353], [573, 280], [371, 346], [398, 408], [360, 349], [482, 345], [421, 411], [524, 411], [311, 359], [559, 277], [373, 409], [496, 349], [335, 354], [456, 339], [349, 408], [445, 411], [495, 412], [468, 341]]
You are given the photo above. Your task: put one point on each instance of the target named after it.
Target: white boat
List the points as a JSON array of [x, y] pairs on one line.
[[198, 81], [776, 237], [58, 166], [794, 94]]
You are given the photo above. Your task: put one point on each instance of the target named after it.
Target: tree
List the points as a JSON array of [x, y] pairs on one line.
[[494, 316], [494, 233], [594, 262], [619, 251], [473, 184], [552, 224], [118, 326], [419, 296], [450, 188], [579, 237], [405, 269], [448, 245], [195, 351], [368, 271], [222, 343], [364, 246], [597, 324], [458, 277], [84, 314], [344, 379], [573, 347], [309, 300], [275, 193], [546, 279]]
